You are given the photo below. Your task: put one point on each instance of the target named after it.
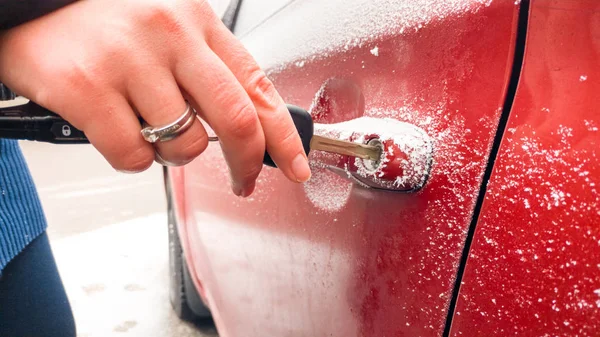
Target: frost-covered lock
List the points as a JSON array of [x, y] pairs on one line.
[[407, 153]]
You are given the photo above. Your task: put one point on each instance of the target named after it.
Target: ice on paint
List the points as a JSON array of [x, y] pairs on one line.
[[334, 30], [375, 51]]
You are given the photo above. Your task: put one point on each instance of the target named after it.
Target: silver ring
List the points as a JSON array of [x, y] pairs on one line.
[[159, 159], [153, 134]]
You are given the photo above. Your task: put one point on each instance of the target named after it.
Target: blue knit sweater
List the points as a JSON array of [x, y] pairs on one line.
[[21, 215]]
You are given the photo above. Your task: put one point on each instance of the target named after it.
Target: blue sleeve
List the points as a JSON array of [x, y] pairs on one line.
[[21, 215]]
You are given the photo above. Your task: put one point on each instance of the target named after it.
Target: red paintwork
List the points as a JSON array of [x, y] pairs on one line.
[[333, 259], [534, 266]]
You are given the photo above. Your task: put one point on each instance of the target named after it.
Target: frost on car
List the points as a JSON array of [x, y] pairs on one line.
[[333, 258]]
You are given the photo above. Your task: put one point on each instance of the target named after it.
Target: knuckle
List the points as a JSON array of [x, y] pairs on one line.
[[79, 77], [160, 14], [244, 121], [260, 89]]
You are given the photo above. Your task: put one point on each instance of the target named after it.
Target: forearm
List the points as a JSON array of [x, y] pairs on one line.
[[16, 12]]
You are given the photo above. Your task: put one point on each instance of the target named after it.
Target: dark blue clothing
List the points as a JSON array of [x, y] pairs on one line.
[[16, 12], [21, 215], [33, 302]]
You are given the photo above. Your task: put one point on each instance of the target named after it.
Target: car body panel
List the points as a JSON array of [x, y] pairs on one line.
[[534, 266], [219, 6], [253, 12], [330, 258]]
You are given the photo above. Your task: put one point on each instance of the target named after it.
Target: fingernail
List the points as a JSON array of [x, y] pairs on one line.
[[237, 189], [247, 191], [300, 168], [127, 172]]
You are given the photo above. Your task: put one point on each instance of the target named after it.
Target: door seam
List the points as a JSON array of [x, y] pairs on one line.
[[515, 76]]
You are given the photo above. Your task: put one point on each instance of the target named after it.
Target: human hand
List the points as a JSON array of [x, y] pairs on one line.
[[99, 63]]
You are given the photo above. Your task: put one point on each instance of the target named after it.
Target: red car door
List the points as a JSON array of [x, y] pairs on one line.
[[534, 266], [332, 257]]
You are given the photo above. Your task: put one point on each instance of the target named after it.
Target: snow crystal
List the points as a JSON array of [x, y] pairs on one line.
[[375, 51], [558, 197], [565, 132], [591, 126]]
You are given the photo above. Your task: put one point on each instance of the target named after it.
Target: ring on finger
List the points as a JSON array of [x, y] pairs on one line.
[[154, 134], [160, 160]]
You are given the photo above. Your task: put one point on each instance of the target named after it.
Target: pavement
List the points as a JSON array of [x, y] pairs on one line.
[[109, 236]]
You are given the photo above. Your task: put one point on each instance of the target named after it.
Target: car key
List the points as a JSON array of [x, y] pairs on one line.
[[305, 127], [32, 122]]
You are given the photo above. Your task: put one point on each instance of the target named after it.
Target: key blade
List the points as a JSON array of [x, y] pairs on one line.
[[345, 148]]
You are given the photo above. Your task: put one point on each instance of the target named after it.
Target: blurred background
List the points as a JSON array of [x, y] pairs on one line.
[[109, 236]]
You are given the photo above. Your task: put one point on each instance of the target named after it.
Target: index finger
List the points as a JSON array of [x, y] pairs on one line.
[[282, 140], [228, 110]]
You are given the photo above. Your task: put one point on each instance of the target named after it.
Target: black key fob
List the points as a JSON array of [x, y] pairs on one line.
[[304, 124], [32, 122]]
